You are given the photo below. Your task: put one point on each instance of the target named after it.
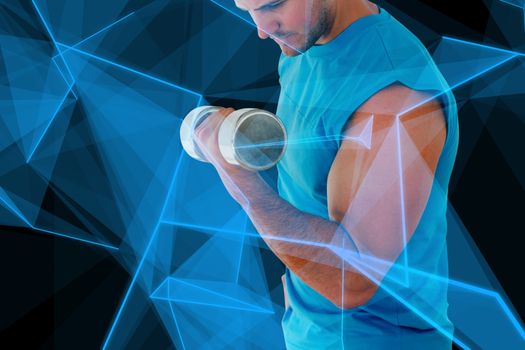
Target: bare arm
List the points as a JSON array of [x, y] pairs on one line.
[[364, 196]]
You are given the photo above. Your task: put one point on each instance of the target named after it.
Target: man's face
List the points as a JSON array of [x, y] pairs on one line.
[[295, 25]]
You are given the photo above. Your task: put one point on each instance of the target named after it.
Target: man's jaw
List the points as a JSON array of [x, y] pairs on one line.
[[287, 51], [287, 48]]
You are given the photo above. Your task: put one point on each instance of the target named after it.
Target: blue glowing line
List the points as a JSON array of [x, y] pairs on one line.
[[208, 228], [402, 195], [45, 25], [15, 210], [175, 320], [256, 235], [421, 273], [463, 285], [486, 292], [367, 128], [128, 69], [463, 81], [296, 241], [513, 3], [182, 301], [354, 263], [48, 29], [34, 66], [415, 310], [472, 288], [52, 38], [510, 315], [48, 125], [235, 14], [220, 295], [412, 308], [428, 319], [241, 250], [176, 325], [128, 292], [497, 297], [71, 74], [306, 140], [19, 214], [146, 251], [70, 86], [159, 287], [98, 32], [105, 245], [493, 48]]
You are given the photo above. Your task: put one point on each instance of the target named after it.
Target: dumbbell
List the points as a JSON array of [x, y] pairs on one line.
[[252, 138]]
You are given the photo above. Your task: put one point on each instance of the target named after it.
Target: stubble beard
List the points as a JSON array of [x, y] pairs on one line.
[[323, 25]]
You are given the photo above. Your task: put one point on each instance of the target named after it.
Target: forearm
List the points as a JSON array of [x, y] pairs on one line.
[[304, 243]]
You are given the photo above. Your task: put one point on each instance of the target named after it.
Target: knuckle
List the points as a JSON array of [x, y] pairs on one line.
[[226, 111]]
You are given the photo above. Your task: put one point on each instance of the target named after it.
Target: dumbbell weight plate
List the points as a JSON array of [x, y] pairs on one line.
[[189, 124], [252, 138]]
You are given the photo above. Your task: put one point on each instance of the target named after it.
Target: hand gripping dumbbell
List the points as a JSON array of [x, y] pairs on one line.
[[252, 138]]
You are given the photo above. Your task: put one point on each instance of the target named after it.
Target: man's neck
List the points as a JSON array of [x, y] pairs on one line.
[[345, 13]]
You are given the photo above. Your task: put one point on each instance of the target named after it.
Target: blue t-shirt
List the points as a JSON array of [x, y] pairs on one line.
[[320, 90]]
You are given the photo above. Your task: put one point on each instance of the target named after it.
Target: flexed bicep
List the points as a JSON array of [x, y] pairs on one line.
[[379, 193]]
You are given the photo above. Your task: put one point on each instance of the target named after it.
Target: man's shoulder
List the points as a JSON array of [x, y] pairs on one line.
[[398, 101]]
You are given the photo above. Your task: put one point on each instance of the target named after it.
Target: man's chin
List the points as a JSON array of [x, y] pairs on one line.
[[288, 51]]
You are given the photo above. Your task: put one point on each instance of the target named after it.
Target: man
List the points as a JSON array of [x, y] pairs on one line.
[[359, 220]]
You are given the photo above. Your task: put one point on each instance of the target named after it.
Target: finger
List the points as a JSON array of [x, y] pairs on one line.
[[226, 111], [208, 129]]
